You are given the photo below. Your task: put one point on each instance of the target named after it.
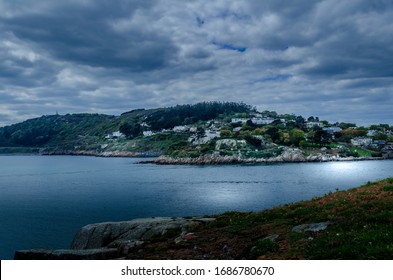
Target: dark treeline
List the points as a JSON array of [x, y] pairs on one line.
[[39, 131], [189, 114]]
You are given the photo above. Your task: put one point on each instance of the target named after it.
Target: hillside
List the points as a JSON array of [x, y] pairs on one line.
[[208, 132]]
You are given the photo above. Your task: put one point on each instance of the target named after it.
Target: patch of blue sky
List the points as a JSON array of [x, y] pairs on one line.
[[231, 47]]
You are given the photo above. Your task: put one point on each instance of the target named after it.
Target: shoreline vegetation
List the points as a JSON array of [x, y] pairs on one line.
[[351, 224]]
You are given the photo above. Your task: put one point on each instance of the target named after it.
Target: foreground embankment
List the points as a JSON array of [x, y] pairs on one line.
[[352, 224]]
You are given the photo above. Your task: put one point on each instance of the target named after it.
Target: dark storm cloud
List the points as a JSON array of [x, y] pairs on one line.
[[330, 58], [87, 35]]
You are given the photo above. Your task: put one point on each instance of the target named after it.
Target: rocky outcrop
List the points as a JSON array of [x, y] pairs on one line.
[[288, 155], [106, 234], [113, 240]]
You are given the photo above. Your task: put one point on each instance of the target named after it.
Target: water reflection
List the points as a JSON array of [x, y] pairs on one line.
[[51, 197]]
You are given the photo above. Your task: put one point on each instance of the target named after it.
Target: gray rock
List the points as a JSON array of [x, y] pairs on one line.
[[102, 234], [316, 227], [91, 254], [124, 246], [271, 237]]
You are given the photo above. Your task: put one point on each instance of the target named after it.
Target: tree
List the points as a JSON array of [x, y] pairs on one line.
[[273, 132], [344, 125], [253, 140], [321, 136], [354, 132], [295, 136], [225, 133], [187, 114], [250, 125], [17, 137], [200, 133], [130, 130], [311, 119], [380, 136], [300, 122]]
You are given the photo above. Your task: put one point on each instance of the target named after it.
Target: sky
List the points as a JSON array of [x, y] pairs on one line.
[[328, 58]]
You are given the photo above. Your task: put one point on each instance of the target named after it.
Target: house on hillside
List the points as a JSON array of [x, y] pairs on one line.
[[361, 141], [255, 120], [332, 129], [148, 133], [262, 120], [372, 132], [115, 135], [209, 135], [241, 120], [181, 128], [312, 124]]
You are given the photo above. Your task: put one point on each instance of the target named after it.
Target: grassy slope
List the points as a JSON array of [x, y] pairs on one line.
[[361, 227]]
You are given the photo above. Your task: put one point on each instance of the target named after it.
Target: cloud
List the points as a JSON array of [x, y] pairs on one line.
[[328, 58], [98, 36]]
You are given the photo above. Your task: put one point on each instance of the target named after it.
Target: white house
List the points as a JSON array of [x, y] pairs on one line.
[[209, 135], [148, 133], [361, 141], [332, 129], [372, 132], [180, 128], [312, 124], [237, 120], [115, 135], [193, 129], [262, 120]]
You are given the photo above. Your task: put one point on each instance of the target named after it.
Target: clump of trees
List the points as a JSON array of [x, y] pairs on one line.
[[189, 114], [55, 128]]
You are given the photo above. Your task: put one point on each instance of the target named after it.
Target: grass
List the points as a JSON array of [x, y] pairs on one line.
[[360, 227], [360, 152]]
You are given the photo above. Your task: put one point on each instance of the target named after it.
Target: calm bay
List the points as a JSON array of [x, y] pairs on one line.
[[44, 200]]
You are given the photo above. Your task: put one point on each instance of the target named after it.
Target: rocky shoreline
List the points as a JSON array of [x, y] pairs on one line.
[[113, 240], [289, 155]]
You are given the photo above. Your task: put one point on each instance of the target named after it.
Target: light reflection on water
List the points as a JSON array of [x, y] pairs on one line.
[[45, 200]]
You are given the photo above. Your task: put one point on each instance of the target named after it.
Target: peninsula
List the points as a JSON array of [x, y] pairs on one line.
[[203, 133]]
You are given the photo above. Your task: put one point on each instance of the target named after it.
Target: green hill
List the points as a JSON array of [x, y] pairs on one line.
[[207, 132], [91, 132]]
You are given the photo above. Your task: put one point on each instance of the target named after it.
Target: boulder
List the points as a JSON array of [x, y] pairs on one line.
[[316, 227], [271, 238]]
